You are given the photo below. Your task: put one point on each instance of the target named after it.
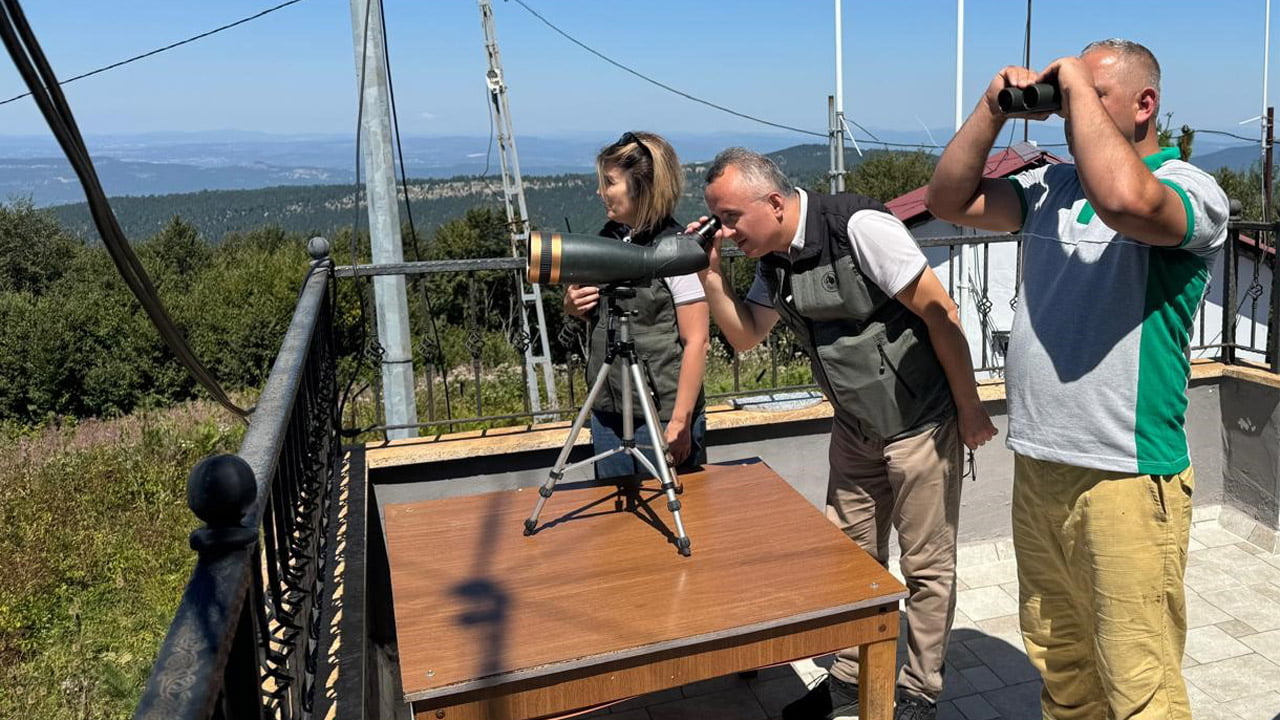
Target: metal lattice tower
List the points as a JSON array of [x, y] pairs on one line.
[[537, 351]]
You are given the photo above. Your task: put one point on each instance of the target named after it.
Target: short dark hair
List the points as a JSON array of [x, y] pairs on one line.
[[758, 170], [1131, 52]]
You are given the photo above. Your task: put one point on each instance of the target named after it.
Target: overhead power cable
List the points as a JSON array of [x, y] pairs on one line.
[[664, 86], [31, 63], [170, 46]]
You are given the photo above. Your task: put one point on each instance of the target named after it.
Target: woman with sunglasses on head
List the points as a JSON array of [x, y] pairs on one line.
[[640, 181]]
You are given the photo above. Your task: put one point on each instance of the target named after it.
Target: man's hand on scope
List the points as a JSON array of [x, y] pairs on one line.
[[581, 299], [713, 248]]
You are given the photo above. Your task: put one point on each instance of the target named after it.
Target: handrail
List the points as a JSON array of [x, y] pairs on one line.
[[235, 646]]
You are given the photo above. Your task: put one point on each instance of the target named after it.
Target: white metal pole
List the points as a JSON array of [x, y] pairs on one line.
[[1266, 66], [1266, 57], [839, 102], [960, 63]]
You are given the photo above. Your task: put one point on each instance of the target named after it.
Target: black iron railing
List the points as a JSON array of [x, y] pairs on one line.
[[244, 642], [982, 273]]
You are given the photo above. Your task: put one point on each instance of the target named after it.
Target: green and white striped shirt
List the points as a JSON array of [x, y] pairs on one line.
[[1098, 365]]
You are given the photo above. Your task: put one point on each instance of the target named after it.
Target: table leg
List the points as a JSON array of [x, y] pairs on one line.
[[876, 682]]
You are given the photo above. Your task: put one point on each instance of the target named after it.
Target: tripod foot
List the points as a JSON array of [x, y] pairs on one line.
[[530, 526], [682, 544]]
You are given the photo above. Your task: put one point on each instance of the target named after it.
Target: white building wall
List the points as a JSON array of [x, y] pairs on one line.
[[963, 271]]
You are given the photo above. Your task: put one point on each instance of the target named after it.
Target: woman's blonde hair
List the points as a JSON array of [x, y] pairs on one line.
[[654, 176]]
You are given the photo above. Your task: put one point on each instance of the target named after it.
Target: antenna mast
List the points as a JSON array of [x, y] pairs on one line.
[[537, 351]]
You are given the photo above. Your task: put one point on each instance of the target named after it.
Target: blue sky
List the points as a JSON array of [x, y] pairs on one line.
[[293, 71]]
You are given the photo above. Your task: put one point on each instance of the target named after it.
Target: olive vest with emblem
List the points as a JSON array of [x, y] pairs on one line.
[[870, 354], [654, 330]]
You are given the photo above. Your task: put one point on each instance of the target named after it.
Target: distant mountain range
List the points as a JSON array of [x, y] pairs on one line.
[[178, 163], [167, 163], [564, 201], [226, 182], [1235, 158]]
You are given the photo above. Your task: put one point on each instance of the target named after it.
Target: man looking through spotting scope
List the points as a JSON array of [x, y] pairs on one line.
[[886, 346], [640, 180], [1117, 253]]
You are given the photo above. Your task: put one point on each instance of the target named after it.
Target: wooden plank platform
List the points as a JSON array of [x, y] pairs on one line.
[[598, 605]]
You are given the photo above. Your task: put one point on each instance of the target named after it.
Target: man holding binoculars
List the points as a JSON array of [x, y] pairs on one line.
[[1117, 253]]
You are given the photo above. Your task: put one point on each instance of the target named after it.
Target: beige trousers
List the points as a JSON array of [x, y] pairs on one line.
[[1101, 558], [911, 484]]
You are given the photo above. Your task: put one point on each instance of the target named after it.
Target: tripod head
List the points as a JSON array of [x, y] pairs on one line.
[[613, 292], [615, 316]]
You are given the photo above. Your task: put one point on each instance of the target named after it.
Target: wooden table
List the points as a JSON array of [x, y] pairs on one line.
[[598, 606]]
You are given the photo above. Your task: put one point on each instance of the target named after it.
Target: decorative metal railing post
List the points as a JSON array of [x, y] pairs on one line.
[[984, 306], [570, 340], [1273, 317], [475, 335], [1229, 289]]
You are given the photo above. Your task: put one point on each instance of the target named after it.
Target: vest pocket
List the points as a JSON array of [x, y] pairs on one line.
[[881, 381]]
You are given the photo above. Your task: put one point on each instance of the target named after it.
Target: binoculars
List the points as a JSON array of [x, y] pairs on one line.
[[556, 258], [1030, 100]]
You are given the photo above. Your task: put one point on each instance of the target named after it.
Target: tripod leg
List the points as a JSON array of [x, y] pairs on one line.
[[660, 453], [557, 470]]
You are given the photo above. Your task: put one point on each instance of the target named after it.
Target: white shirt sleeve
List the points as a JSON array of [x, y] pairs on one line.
[[885, 250], [685, 289]]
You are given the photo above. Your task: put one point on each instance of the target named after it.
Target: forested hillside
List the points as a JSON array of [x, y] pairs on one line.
[[561, 202]]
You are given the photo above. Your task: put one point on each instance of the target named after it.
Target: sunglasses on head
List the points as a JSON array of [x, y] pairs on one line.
[[630, 137]]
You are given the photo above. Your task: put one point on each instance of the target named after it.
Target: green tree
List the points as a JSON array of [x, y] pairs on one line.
[[886, 174], [1245, 186], [481, 233], [176, 253], [34, 249]]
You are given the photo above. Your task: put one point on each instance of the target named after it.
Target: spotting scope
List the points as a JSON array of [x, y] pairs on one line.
[[556, 258], [1030, 100]]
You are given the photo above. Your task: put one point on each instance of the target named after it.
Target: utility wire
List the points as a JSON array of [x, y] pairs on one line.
[[347, 393], [171, 46], [39, 77], [1222, 132], [664, 86], [871, 141]]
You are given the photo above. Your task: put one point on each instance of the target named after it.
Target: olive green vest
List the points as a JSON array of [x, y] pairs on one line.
[[654, 331], [869, 353]]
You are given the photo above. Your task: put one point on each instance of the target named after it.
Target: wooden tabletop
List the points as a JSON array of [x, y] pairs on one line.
[[478, 603]]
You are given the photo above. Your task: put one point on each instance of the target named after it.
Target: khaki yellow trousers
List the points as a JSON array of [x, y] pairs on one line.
[[911, 484], [1101, 558]]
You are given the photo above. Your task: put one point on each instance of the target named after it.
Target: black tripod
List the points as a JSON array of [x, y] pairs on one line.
[[620, 346]]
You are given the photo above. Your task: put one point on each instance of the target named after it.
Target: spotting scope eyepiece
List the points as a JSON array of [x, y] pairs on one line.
[[707, 231], [559, 258], [1030, 100]]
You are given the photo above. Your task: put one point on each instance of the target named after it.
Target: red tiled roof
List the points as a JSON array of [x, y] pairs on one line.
[[910, 209]]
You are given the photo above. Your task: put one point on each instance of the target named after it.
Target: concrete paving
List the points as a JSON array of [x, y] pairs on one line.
[[1232, 662]]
